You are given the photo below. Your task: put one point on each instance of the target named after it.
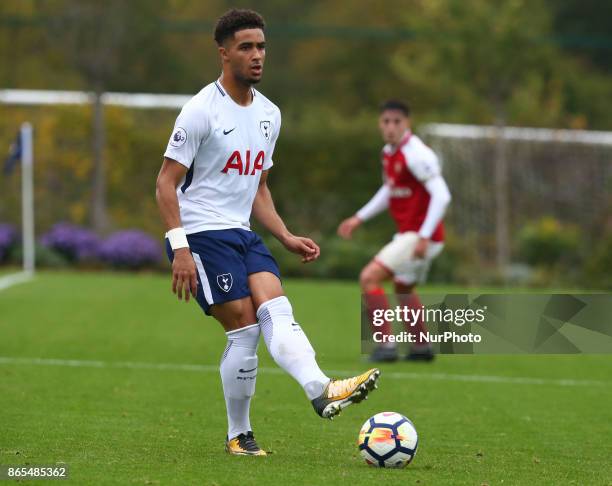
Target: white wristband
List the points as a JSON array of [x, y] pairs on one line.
[[178, 238]]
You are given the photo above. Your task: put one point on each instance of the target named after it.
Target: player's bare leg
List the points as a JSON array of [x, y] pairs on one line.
[[407, 296], [239, 372], [371, 279], [234, 314], [290, 348]]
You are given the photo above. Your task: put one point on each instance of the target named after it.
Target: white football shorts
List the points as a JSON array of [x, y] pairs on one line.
[[397, 257]]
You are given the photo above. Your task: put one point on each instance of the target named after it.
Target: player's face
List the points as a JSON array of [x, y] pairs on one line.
[[393, 124], [245, 55]]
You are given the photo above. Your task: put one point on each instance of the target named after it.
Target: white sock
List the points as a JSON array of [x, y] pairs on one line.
[[238, 374], [289, 346]]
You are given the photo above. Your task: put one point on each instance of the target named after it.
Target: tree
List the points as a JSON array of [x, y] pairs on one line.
[[104, 41], [478, 57]]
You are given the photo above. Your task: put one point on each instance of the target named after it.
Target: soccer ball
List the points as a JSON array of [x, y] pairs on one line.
[[388, 439]]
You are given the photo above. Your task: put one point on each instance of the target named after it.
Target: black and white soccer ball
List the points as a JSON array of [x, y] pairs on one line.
[[388, 439]]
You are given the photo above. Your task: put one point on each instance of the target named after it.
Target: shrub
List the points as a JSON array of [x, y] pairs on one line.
[[131, 249], [599, 264], [547, 242], [74, 243], [339, 259], [8, 239], [45, 256]]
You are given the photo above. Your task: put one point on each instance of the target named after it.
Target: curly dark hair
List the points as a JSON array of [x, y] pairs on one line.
[[395, 105], [234, 20]]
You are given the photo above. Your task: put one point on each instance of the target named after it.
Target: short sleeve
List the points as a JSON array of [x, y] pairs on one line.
[[190, 129], [276, 125], [424, 164]]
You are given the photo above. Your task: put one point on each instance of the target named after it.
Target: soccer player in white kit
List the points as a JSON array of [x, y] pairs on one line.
[[213, 177]]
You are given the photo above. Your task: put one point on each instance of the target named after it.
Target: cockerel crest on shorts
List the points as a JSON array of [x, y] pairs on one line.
[[225, 281]]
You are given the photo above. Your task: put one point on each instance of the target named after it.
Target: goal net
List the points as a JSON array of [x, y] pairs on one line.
[[504, 178]]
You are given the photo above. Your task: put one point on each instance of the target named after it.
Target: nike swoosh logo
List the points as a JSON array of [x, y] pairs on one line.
[[225, 132], [246, 371]]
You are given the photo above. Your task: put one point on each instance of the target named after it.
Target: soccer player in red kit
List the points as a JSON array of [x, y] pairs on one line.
[[417, 196]]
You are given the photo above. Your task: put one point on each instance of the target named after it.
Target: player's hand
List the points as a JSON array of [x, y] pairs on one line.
[[309, 250], [184, 274], [346, 228], [420, 249]]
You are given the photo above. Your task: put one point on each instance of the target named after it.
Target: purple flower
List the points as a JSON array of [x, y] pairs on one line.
[[74, 242], [130, 249], [8, 237]]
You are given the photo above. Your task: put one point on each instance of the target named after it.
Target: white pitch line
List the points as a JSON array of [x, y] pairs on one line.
[[520, 380], [14, 279], [396, 375]]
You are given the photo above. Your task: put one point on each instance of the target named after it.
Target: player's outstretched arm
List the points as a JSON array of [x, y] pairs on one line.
[[376, 205], [347, 226], [183, 266], [265, 212]]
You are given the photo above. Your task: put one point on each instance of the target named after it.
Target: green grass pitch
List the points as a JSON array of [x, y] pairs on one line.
[[132, 414]]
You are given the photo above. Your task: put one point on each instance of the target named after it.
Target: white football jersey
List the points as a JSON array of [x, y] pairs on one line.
[[226, 147]]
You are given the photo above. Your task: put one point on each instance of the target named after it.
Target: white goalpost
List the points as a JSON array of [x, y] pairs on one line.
[[27, 210], [27, 198]]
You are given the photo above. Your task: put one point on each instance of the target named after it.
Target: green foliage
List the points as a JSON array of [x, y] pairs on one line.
[[339, 259], [547, 242], [45, 257], [459, 261], [135, 144], [455, 60], [599, 263], [328, 67]]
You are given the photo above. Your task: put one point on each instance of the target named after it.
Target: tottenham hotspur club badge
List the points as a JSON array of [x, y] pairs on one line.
[[224, 281], [265, 127]]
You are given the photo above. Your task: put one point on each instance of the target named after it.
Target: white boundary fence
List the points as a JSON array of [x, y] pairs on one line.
[[131, 100], [447, 130]]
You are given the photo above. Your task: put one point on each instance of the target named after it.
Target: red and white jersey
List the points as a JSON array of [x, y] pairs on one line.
[[406, 167], [226, 147]]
